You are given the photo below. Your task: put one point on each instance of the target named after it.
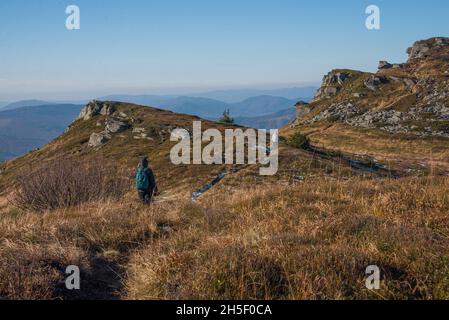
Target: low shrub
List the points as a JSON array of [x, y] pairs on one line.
[[68, 182], [298, 140]]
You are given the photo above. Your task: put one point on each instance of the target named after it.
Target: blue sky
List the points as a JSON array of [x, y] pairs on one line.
[[148, 46]]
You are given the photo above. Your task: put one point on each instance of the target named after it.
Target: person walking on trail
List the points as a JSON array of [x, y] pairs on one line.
[[145, 181]]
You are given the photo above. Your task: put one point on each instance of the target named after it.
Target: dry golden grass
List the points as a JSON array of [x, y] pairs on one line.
[[307, 233], [398, 151], [36, 248], [305, 241], [309, 240]]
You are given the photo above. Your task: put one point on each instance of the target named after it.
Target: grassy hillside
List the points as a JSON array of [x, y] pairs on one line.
[[398, 115], [125, 149], [308, 232]]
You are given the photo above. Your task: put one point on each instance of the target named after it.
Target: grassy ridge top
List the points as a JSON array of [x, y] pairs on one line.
[[124, 149]]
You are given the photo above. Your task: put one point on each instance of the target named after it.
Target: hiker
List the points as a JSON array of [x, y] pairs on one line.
[[145, 181]]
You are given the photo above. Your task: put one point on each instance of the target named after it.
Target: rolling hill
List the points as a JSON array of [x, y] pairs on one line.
[[237, 95], [25, 128], [271, 121], [210, 108], [24, 103]]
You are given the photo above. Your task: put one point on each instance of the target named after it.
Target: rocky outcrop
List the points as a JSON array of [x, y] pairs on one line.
[[95, 108], [374, 81], [411, 97], [384, 65], [423, 49], [302, 108], [390, 120], [331, 85], [116, 126], [337, 112], [98, 139], [116, 121]]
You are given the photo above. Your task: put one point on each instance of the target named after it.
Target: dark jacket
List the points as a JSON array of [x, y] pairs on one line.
[[151, 178], [143, 164]]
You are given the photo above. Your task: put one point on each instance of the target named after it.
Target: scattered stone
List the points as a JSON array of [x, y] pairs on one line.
[[116, 126], [139, 130], [409, 82], [337, 112], [374, 81], [296, 178], [98, 139], [384, 65], [123, 115]]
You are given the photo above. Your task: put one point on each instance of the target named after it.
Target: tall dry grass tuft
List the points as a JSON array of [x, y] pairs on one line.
[[68, 182], [98, 237]]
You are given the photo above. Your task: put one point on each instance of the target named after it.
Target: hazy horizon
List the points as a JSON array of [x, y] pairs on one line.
[[82, 96]]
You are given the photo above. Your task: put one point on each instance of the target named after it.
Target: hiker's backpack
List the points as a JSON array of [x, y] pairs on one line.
[[142, 181]]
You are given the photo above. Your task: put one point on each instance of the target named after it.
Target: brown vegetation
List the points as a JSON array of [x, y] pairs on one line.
[[310, 240], [307, 233], [67, 182], [305, 241]]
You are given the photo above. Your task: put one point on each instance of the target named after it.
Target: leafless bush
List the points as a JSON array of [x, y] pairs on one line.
[[68, 182]]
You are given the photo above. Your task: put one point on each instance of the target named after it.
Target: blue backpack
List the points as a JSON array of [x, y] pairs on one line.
[[142, 181]]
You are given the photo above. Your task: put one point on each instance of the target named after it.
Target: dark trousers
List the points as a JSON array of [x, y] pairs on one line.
[[145, 195]]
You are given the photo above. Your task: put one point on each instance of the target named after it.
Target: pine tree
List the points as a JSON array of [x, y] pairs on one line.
[[226, 119]]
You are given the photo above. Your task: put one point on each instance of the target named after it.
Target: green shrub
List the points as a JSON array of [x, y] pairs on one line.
[[298, 140]]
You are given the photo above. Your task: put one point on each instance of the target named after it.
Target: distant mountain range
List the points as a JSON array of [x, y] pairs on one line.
[[27, 128], [271, 121], [24, 103], [233, 96], [232, 99], [210, 108], [3, 103], [29, 124]]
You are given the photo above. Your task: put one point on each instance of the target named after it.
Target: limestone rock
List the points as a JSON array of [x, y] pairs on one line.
[[416, 101], [384, 65], [95, 108], [107, 109], [423, 49], [98, 139], [331, 84], [116, 126], [374, 81], [418, 50], [302, 108]]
